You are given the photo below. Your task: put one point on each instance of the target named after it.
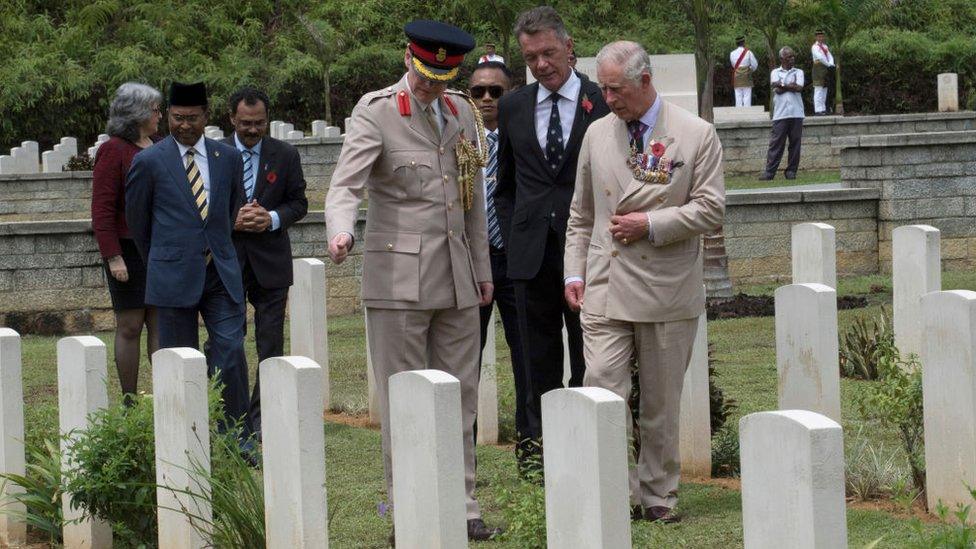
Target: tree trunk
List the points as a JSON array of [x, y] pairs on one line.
[[838, 92], [715, 261], [327, 84], [705, 108]]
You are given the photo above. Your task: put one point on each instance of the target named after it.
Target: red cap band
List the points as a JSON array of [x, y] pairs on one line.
[[436, 59]]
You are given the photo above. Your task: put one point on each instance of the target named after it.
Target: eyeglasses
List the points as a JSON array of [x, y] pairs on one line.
[[189, 119], [495, 92]]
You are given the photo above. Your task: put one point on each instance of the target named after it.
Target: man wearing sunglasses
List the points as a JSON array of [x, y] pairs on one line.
[[489, 82], [425, 251]]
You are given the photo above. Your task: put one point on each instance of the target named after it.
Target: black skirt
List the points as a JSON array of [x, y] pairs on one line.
[[132, 293]]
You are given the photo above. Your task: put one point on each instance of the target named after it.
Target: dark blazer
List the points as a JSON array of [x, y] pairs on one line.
[[280, 186], [531, 197], [166, 226]]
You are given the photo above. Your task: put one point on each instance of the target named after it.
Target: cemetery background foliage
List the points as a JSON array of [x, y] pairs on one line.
[[61, 61]]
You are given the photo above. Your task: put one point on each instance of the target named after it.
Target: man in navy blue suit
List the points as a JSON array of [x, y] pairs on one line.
[[181, 197]]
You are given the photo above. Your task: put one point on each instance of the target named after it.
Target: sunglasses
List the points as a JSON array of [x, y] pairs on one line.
[[495, 92]]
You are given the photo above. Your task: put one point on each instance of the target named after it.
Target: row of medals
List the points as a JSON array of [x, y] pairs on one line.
[[647, 167]]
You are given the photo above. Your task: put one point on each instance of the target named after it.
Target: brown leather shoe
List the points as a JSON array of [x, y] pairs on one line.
[[478, 531], [636, 512], [664, 515]]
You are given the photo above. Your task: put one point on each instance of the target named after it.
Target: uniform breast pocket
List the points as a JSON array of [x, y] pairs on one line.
[[391, 266], [411, 169]]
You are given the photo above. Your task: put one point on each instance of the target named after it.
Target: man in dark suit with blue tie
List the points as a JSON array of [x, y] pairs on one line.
[[182, 197], [541, 127], [273, 200]]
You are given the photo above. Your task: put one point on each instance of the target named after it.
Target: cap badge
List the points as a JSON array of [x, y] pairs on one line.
[[441, 55]]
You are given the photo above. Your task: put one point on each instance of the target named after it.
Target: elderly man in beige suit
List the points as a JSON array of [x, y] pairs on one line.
[[425, 261], [649, 182]]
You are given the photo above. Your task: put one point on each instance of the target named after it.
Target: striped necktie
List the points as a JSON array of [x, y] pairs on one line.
[[247, 155], [494, 231], [199, 193]]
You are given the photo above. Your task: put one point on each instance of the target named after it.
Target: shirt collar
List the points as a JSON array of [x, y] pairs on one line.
[[569, 90], [649, 118], [436, 103], [240, 146], [200, 147]]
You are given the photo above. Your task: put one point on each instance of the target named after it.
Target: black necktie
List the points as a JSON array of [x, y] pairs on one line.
[[554, 137], [636, 129]]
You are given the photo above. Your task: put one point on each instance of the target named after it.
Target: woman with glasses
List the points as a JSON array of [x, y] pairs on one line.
[[133, 121]]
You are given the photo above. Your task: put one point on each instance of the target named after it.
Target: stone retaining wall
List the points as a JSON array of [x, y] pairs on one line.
[[758, 225], [745, 144], [920, 178]]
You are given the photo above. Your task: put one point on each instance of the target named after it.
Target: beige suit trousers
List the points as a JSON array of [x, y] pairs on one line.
[[663, 350], [401, 340]]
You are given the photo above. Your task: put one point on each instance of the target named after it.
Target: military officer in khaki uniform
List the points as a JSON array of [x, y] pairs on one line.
[[416, 147]]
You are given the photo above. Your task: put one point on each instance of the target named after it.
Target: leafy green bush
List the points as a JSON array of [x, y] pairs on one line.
[[725, 451], [114, 473], [863, 347], [41, 495], [896, 400], [956, 528], [524, 508]]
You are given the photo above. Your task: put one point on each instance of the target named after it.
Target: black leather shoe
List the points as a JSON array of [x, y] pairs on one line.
[[478, 531], [392, 538], [765, 177], [664, 515], [789, 175], [636, 512]]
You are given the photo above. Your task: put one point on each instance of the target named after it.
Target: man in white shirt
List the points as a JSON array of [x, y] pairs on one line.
[[787, 84], [743, 63], [490, 55], [822, 60]]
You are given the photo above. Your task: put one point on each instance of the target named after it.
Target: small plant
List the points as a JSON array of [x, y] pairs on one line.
[[871, 473], [524, 507], [80, 163], [955, 530], [720, 406], [725, 451], [40, 492], [896, 400], [864, 346]]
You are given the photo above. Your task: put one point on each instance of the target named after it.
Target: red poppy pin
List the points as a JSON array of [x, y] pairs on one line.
[[586, 104], [657, 149], [272, 177]]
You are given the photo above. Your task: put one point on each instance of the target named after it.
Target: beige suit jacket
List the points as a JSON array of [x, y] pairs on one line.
[[645, 281], [422, 249]]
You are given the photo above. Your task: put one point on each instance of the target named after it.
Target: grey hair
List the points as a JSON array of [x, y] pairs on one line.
[[132, 105], [540, 19], [784, 50], [629, 55]]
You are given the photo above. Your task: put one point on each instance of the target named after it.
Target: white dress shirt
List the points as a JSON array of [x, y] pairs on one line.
[[787, 104], [200, 159], [568, 95], [818, 55], [748, 61]]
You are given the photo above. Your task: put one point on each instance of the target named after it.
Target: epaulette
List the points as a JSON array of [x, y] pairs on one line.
[[372, 96]]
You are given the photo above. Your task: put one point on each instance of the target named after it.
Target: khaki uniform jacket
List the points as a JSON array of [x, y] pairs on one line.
[[422, 249], [645, 281]]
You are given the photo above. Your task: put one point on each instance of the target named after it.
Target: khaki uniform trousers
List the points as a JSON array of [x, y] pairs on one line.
[[663, 351], [401, 340]]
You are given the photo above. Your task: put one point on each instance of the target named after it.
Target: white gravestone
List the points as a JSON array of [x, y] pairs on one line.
[[488, 388], [814, 254], [806, 349], [180, 420], [428, 460], [916, 270], [8, 165], [567, 363], [275, 128], [695, 424], [585, 461], [12, 459], [295, 509], [82, 390], [949, 395], [284, 129], [32, 156], [19, 159], [69, 146], [372, 399], [792, 481], [318, 128], [307, 310], [52, 161], [948, 92], [295, 134], [348, 121]]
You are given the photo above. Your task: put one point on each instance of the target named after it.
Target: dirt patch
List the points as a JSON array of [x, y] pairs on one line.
[[742, 305], [359, 421]]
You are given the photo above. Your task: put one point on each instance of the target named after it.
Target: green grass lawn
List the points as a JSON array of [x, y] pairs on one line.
[[744, 349], [803, 177]]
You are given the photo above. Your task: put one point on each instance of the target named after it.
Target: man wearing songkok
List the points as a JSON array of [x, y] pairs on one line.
[[649, 182], [418, 149]]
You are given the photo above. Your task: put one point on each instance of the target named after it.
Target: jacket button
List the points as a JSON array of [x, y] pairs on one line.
[[644, 257], [614, 253], [445, 178], [389, 246], [608, 192], [441, 150], [660, 199], [450, 205], [413, 162], [450, 233]]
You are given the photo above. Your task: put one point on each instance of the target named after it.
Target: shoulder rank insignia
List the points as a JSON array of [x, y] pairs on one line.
[[403, 103]]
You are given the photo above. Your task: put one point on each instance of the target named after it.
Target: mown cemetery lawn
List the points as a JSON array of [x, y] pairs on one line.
[[745, 354], [803, 177]]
